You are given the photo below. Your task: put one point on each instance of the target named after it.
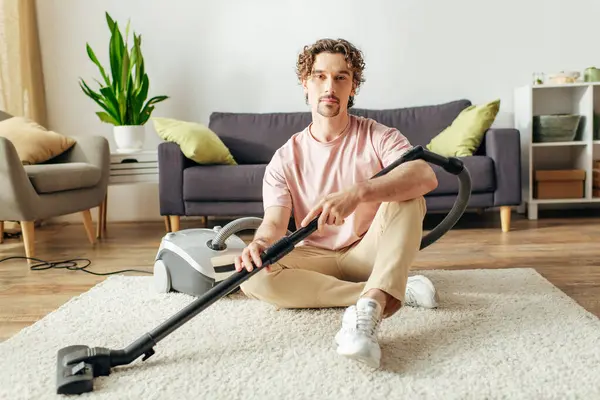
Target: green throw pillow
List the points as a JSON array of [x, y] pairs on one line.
[[197, 142], [464, 135]]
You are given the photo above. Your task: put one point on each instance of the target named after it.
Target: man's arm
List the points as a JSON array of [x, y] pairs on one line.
[[273, 228], [277, 203], [407, 181], [274, 225]]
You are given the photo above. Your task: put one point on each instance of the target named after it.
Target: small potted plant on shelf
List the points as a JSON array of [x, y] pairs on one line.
[[123, 91]]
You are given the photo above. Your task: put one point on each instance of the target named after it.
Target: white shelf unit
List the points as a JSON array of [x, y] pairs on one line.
[[581, 98], [138, 167]]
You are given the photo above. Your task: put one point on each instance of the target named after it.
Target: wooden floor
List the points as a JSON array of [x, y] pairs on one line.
[[563, 248]]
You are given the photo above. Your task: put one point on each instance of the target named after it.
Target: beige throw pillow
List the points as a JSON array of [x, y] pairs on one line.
[[34, 143]]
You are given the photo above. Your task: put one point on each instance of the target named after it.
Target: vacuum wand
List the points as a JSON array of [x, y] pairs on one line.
[[78, 365]]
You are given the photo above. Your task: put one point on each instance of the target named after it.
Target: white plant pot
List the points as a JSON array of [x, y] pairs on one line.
[[129, 138]]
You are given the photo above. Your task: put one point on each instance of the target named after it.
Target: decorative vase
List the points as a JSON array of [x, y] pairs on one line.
[[591, 74], [129, 138]]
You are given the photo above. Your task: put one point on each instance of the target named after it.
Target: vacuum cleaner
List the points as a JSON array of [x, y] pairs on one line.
[[193, 261], [186, 262]]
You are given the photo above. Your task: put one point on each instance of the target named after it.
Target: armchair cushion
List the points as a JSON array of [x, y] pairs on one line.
[[34, 143], [51, 178], [464, 136]]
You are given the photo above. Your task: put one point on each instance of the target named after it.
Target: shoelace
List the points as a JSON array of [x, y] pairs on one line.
[[409, 298], [366, 322]]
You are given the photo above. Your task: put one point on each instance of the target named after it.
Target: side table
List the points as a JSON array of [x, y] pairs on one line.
[[126, 169]]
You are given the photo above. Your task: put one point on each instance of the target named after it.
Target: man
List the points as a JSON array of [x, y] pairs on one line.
[[369, 230]]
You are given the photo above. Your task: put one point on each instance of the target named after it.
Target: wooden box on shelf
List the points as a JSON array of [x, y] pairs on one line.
[[560, 184], [596, 179]]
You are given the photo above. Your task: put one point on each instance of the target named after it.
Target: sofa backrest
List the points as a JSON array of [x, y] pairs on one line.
[[419, 124], [253, 138]]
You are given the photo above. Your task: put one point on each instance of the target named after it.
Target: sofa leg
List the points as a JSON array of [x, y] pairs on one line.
[[88, 224], [101, 228], [1, 231], [167, 223], [28, 232], [174, 222], [505, 218]]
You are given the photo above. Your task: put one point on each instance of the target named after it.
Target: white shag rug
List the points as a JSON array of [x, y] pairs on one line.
[[498, 334]]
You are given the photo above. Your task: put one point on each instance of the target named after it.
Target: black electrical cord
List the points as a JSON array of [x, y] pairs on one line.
[[71, 265]]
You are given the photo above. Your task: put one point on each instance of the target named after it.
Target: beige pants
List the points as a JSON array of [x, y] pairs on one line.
[[310, 277]]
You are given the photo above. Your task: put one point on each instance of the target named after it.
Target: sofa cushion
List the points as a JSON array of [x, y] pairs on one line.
[[419, 124], [244, 182], [223, 182], [481, 169], [253, 138], [463, 137], [51, 178], [196, 141]]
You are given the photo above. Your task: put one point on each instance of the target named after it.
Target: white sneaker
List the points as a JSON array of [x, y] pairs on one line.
[[420, 292], [357, 339]]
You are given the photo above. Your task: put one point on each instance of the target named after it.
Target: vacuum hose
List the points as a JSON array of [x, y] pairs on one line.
[[451, 165], [459, 207], [240, 224]]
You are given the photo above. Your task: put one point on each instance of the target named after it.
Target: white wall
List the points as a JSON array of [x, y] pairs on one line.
[[231, 55]]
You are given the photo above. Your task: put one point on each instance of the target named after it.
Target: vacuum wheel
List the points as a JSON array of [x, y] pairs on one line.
[[162, 279]]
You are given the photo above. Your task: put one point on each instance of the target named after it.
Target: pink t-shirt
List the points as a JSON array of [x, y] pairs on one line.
[[304, 170]]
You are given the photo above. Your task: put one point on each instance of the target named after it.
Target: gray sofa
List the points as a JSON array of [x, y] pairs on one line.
[[189, 189]]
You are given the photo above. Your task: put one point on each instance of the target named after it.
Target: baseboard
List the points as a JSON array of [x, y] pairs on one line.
[[15, 227]]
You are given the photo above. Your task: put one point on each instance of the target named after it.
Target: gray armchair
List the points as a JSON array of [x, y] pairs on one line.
[[75, 181]]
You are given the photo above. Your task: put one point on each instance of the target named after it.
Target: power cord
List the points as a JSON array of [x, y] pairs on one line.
[[71, 265]]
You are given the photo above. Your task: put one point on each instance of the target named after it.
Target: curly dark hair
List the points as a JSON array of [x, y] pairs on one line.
[[353, 56]]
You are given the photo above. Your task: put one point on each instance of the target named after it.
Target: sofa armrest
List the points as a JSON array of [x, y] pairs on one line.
[[171, 163], [18, 196], [503, 146]]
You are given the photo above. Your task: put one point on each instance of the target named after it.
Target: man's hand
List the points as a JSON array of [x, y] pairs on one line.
[[334, 208], [250, 256]]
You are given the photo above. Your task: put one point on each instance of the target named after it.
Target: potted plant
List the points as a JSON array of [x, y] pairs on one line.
[[123, 92]]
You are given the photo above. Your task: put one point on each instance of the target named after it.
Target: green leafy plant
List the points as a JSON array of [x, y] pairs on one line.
[[124, 91]]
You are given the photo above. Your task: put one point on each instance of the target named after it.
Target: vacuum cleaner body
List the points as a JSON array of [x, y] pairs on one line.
[[186, 263]]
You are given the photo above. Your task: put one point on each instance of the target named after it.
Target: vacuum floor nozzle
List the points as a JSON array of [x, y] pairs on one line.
[[73, 378], [78, 365]]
